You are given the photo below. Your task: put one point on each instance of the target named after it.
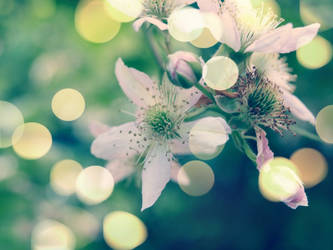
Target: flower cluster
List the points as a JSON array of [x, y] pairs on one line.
[[243, 88]]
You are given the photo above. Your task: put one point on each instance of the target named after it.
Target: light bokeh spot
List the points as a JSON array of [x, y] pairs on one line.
[[123, 230], [207, 138], [94, 185], [124, 10], [211, 33], [316, 54], [68, 104], [32, 140], [311, 166], [186, 24], [324, 124], [63, 176], [52, 235], [220, 73], [196, 178], [278, 179], [312, 11], [268, 5], [11, 118], [94, 22]]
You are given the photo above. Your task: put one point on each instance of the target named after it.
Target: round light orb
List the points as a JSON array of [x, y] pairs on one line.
[[68, 104], [50, 234], [94, 185], [94, 23], [278, 179], [32, 140], [63, 176], [123, 230], [196, 178], [324, 124], [124, 11], [267, 5], [220, 73], [186, 24], [11, 118], [211, 33], [207, 138], [311, 166], [316, 54]]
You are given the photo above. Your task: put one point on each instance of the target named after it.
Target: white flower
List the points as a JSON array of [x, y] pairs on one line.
[[247, 29], [277, 71], [158, 133], [157, 11]]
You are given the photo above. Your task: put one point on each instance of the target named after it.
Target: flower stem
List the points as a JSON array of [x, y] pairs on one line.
[[205, 91], [154, 49]]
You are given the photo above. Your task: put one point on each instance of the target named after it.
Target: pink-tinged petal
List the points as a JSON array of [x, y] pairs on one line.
[[209, 5], [118, 142], [181, 146], [97, 128], [183, 2], [175, 167], [121, 168], [297, 108], [187, 98], [158, 23], [156, 174], [231, 34], [300, 37], [264, 152], [273, 41], [138, 87], [298, 199]]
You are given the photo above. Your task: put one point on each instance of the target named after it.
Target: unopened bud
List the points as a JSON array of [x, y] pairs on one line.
[[184, 69]]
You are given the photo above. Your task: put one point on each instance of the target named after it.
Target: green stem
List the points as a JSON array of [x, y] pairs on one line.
[[154, 49], [205, 91]]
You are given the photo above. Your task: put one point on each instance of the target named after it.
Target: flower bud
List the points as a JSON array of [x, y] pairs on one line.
[[184, 69], [278, 181]]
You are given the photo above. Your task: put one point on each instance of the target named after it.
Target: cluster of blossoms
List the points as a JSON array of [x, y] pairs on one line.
[[259, 98]]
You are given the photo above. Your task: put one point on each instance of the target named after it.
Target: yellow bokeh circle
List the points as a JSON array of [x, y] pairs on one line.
[[316, 54], [63, 176], [94, 22], [196, 178], [123, 230], [324, 124], [50, 234], [32, 140], [220, 73], [278, 179], [68, 104], [124, 10], [11, 118], [94, 185], [311, 166]]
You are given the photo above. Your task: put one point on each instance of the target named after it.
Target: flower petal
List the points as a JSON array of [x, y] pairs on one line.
[[183, 2], [121, 168], [159, 24], [209, 5], [97, 128], [300, 37], [136, 85], [272, 41], [231, 34], [181, 146], [264, 152], [298, 108], [118, 142], [155, 175], [298, 199]]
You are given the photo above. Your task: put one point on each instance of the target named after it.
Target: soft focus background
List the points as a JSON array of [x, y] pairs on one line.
[[42, 52]]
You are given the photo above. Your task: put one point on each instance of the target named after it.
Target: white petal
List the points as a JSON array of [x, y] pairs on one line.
[[121, 168], [208, 134], [181, 146], [116, 142], [183, 2], [136, 85], [272, 41], [187, 98], [155, 175], [298, 108], [138, 23], [97, 128], [175, 167], [231, 34], [300, 37], [264, 152]]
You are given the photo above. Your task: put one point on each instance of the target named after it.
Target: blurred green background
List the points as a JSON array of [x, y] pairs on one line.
[[41, 53]]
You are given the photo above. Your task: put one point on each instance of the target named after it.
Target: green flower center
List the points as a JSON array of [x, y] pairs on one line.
[[161, 123]]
